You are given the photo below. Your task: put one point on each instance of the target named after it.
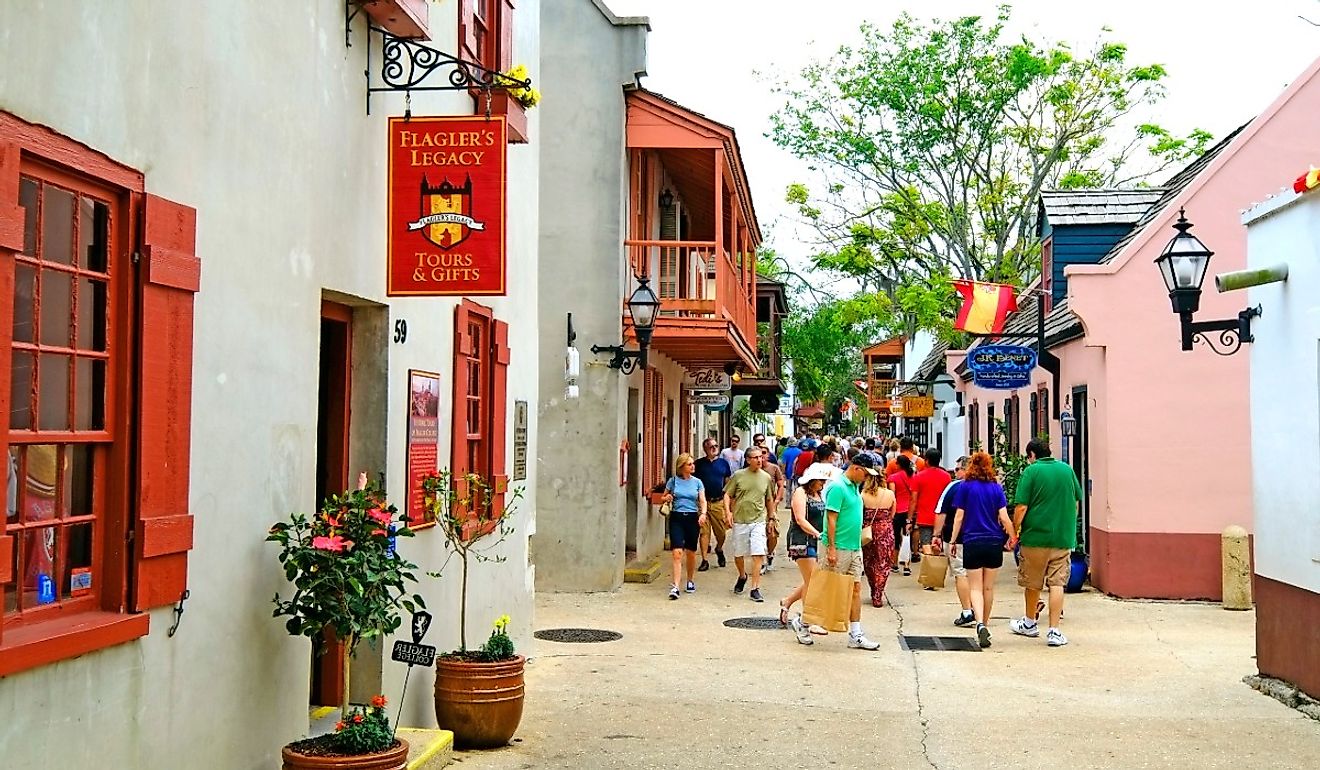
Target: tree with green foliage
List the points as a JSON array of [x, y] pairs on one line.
[[932, 144]]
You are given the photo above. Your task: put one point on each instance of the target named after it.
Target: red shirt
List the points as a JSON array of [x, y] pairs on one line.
[[918, 464], [928, 485], [901, 483], [803, 462]]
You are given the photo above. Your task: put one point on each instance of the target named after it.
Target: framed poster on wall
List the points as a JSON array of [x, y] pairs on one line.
[[423, 440]]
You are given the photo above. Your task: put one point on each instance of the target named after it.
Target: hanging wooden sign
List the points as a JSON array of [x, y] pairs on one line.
[[447, 206]]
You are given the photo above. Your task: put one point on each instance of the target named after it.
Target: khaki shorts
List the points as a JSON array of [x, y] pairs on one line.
[[715, 522], [850, 562], [956, 565], [1044, 567]]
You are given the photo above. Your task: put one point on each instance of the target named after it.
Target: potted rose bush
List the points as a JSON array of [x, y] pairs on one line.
[[349, 583], [478, 692]]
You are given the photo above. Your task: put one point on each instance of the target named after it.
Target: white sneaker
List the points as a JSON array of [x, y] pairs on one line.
[[862, 643], [1024, 626], [800, 631], [1055, 638]]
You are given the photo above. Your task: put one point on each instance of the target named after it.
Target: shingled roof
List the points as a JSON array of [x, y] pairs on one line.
[[1096, 207], [1172, 189], [1061, 325]]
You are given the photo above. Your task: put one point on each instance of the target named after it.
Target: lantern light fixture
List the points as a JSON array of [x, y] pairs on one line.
[[1183, 265], [643, 306]]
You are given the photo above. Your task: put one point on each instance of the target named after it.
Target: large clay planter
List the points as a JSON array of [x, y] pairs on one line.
[[482, 703], [390, 759]]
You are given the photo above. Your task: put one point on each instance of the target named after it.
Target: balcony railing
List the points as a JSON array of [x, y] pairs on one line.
[[695, 279]]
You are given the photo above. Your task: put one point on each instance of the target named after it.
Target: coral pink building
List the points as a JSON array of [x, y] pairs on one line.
[[1163, 436]]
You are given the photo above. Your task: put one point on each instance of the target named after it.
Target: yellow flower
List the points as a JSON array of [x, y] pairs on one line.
[[502, 623]]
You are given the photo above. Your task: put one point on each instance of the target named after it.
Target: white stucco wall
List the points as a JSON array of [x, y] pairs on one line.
[[588, 57], [253, 113], [1285, 390]]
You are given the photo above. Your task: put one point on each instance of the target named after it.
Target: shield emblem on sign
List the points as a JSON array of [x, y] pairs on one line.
[[447, 213]]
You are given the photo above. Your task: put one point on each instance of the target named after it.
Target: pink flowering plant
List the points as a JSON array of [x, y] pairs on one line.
[[347, 577]]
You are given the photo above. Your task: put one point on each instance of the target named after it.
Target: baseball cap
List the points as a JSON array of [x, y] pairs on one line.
[[866, 461]]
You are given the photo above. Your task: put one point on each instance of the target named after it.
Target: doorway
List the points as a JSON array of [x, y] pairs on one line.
[[1081, 463], [332, 442], [634, 468]]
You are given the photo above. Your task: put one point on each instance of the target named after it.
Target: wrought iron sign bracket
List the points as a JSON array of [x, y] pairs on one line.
[[407, 64], [1232, 332], [626, 361]]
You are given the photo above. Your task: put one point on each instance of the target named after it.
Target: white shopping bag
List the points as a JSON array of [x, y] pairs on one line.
[[905, 550]]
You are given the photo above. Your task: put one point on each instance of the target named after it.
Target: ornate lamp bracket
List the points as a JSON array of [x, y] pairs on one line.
[[406, 65]]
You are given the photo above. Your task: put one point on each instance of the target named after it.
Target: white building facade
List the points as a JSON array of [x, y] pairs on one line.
[[219, 350]]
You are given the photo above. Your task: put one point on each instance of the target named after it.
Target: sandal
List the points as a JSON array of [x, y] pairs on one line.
[[783, 616]]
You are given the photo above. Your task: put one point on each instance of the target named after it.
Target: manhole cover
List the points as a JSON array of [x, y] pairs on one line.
[[754, 624], [577, 635], [939, 644]]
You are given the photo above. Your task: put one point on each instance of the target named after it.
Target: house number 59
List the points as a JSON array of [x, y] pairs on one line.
[[400, 331]]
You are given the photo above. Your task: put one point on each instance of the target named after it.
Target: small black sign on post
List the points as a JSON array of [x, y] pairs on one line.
[[413, 653]]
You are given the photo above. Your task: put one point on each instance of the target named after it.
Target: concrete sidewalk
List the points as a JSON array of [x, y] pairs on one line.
[[1141, 685]]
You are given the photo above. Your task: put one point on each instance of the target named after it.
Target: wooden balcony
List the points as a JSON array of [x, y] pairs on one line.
[[884, 368], [706, 318], [692, 231]]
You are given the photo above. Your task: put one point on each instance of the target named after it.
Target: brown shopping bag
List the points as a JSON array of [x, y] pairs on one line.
[[828, 602], [933, 569]]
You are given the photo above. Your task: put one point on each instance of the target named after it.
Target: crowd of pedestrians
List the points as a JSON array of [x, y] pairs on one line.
[[868, 509]]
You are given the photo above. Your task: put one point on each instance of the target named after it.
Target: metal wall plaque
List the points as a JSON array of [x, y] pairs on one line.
[[519, 440]]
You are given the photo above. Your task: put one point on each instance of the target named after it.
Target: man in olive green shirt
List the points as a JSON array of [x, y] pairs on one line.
[[749, 495], [1047, 499]]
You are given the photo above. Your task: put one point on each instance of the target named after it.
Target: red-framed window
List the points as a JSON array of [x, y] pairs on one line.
[[96, 523], [653, 432], [1047, 272], [481, 366], [485, 34], [1043, 411]]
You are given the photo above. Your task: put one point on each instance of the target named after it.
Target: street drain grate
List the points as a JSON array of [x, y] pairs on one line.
[[577, 635], [754, 624], [939, 644]]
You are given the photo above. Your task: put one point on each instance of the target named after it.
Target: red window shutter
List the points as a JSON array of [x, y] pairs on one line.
[[467, 35], [170, 276], [499, 410], [504, 53], [11, 240], [11, 214], [458, 457]]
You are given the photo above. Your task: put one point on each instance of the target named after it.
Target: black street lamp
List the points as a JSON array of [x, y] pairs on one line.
[[642, 306], [1183, 265], [1067, 424]]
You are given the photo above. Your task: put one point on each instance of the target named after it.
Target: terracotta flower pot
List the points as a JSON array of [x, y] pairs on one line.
[[482, 703], [395, 758]]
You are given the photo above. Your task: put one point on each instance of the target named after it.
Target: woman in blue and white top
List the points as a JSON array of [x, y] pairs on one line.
[[687, 496]]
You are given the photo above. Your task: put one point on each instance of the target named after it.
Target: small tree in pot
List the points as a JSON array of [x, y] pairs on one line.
[[478, 693], [349, 583]]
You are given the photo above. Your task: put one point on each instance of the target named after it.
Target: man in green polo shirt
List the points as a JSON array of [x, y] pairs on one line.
[[1047, 500], [841, 542]]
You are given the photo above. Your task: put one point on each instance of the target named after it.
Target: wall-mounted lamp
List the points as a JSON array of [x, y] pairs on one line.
[[642, 306], [1067, 424], [1183, 265]]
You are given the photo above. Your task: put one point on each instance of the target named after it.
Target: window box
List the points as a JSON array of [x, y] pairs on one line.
[[515, 115], [401, 18]]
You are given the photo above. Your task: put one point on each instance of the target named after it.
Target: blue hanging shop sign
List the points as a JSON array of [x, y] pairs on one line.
[[1002, 367]]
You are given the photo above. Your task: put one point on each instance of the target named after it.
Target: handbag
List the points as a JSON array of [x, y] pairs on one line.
[[828, 601], [868, 534], [934, 570], [665, 508]]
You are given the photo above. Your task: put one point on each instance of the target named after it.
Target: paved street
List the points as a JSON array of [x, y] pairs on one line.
[[1141, 685]]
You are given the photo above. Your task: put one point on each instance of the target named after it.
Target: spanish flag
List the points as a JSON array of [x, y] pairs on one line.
[[985, 306], [1308, 181]]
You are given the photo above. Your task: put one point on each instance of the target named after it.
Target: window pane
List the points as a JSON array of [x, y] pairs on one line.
[[56, 304], [91, 314], [93, 227], [53, 401], [11, 486], [28, 191], [20, 391], [75, 572], [89, 391], [39, 487], [25, 292], [11, 587], [39, 548], [78, 482], [57, 226]]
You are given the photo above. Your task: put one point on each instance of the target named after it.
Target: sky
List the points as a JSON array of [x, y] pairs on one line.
[[1227, 61]]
